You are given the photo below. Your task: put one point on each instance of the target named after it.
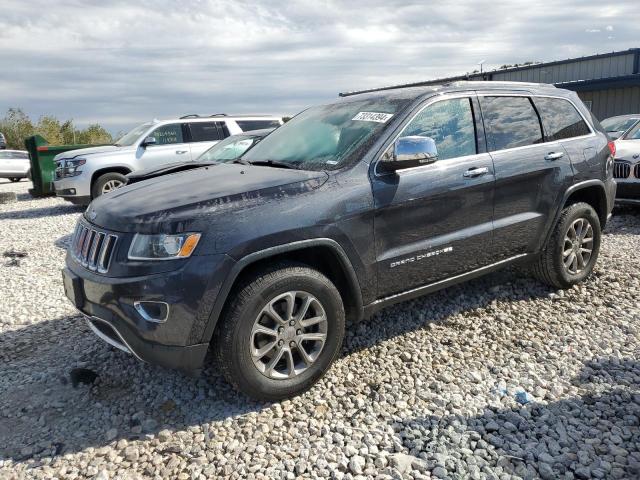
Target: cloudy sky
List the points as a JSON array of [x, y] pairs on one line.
[[119, 63]]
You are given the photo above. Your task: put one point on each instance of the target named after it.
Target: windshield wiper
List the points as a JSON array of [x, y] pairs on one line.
[[241, 161], [273, 163]]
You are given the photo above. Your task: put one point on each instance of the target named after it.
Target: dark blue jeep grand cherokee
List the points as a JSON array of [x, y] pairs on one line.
[[349, 207]]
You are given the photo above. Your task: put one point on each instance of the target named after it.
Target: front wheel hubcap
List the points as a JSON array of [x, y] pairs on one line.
[[111, 185], [288, 335], [578, 246]]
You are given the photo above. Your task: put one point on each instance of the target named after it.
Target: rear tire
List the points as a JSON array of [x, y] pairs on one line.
[[572, 250], [107, 183], [14, 179], [280, 333]]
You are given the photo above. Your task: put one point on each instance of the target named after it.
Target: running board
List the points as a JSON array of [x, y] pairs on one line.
[[373, 307]]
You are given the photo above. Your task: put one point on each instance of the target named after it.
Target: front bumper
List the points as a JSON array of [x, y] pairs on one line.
[[179, 341], [74, 189]]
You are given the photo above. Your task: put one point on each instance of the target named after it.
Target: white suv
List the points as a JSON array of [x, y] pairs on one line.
[[82, 175]]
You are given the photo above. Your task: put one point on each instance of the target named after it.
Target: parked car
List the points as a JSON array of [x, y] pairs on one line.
[[227, 150], [627, 167], [85, 174], [3, 142], [14, 164], [347, 208], [617, 126]]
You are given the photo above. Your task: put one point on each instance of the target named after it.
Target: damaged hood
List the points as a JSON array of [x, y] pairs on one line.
[[191, 200]]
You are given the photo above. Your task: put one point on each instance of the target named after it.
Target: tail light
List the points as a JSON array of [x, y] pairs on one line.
[[612, 148]]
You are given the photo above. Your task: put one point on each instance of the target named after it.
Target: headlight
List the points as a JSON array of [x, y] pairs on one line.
[[69, 167], [162, 246]]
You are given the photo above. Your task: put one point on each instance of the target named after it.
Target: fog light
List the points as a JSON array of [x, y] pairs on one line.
[[156, 312]]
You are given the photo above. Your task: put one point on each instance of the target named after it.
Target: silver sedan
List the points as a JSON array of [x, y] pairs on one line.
[[14, 164]]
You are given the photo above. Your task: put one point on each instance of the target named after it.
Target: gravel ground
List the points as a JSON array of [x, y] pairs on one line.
[[499, 378]]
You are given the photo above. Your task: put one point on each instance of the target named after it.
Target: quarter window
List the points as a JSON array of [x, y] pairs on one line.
[[168, 134], [510, 122], [208, 131], [561, 119], [450, 124]]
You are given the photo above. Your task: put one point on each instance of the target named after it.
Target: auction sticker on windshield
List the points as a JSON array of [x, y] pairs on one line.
[[373, 117]]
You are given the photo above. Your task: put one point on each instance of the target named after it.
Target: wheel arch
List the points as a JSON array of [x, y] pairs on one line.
[[592, 192], [324, 254], [112, 169]]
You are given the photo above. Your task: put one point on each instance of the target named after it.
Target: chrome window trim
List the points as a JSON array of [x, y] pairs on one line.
[[444, 96]]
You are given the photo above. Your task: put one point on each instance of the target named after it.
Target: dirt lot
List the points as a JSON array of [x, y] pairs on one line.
[[499, 378]]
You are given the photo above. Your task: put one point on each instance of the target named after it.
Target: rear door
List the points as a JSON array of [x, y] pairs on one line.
[[435, 221], [563, 123], [531, 172], [171, 146], [203, 135]]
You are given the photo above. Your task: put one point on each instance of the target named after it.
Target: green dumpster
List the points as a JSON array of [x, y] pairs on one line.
[[42, 166]]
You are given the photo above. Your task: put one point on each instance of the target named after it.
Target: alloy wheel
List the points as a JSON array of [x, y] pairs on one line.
[[578, 246], [288, 335], [111, 185]]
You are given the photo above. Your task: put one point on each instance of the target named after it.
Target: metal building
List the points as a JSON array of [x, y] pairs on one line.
[[609, 83]]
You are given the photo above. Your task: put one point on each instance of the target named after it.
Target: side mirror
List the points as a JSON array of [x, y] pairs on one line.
[[149, 141], [410, 152]]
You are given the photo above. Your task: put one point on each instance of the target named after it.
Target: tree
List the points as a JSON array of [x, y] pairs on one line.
[[94, 134], [17, 126], [49, 127]]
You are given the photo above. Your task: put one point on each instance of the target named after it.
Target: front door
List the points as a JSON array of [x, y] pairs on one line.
[[435, 221], [170, 147]]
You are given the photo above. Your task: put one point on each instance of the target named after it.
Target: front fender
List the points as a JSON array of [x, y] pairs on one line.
[[246, 261]]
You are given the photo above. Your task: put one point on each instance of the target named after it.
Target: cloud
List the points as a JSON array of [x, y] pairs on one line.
[[121, 63]]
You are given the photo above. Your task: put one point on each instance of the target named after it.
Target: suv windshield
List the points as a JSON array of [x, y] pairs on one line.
[[133, 135], [229, 149], [327, 137]]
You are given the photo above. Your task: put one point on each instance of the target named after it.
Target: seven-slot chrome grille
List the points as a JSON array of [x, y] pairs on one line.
[[621, 170], [93, 248]]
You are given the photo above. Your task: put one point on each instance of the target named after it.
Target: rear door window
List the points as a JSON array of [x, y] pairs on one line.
[[248, 125], [450, 124], [510, 122], [168, 134], [208, 131], [560, 118]]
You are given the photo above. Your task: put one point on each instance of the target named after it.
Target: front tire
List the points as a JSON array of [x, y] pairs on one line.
[[572, 250], [15, 179], [281, 332], [107, 183]]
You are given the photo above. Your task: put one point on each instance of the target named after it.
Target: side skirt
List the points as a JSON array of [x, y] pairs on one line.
[[373, 307]]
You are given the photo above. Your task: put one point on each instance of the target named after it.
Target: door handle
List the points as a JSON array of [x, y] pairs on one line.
[[554, 155], [475, 172], [180, 152]]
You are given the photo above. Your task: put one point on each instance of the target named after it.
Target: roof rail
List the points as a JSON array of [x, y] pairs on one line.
[[448, 83], [498, 83], [192, 115], [218, 115]]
